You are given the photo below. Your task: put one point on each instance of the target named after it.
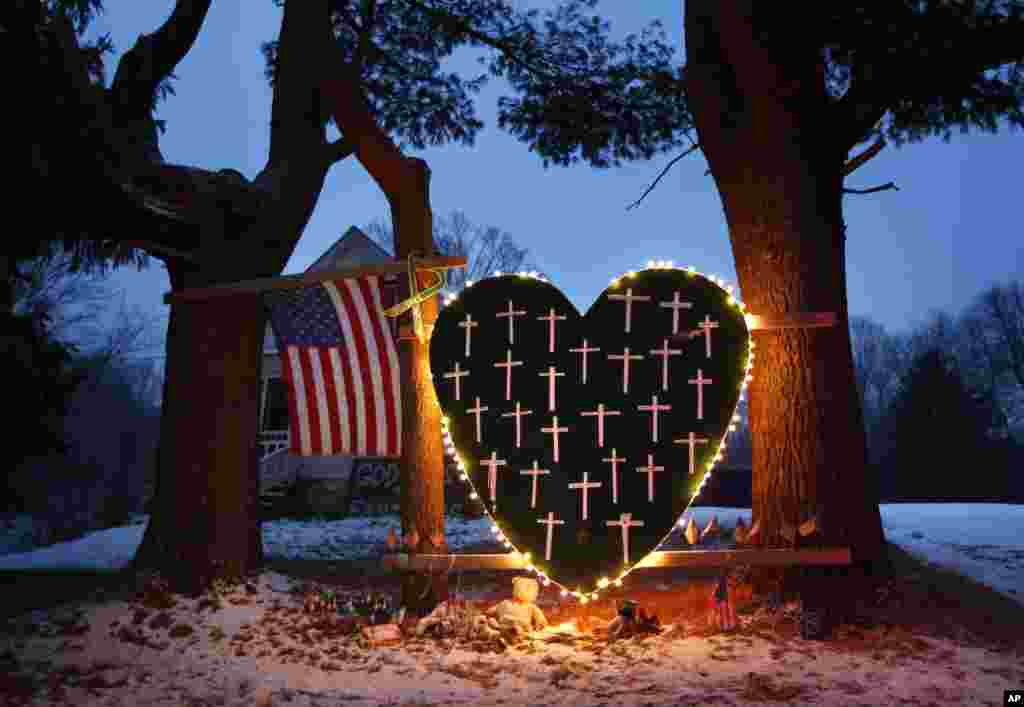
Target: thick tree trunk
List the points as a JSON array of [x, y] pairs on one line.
[[422, 468], [205, 518], [759, 105]]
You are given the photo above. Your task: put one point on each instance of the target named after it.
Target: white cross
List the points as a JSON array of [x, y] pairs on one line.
[[585, 349], [676, 305], [534, 472], [492, 465], [554, 430], [508, 372], [626, 521], [550, 318], [615, 461], [511, 313], [600, 413], [692, 440], [468, 325], [625, 358], [700, 381], [585, 486], [649, 470], [654, 408], [551, 523], [551, 375], [518, 414], [629, 298], [457, 375], [476, 411], [665, 352], [706, 326]]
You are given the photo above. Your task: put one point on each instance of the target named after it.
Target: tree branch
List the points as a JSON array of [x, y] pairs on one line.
[[339, 150], [649, 189], [154, 56], [872, 190], [100, 130], [855, 162], [304, 51]]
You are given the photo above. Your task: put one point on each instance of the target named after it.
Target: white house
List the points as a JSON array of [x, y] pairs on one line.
[[323, 482]]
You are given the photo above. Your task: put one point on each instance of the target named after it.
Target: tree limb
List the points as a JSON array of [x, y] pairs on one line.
[[872, 190], [339, 150], [297, 114], [855, 162], [154, 56], [649, 189]]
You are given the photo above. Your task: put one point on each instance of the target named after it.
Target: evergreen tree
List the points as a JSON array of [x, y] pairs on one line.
[[940, 447]]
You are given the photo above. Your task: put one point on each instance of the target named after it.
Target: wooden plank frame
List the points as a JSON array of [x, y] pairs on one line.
[[782, 557], [286, 282], [793, 320]]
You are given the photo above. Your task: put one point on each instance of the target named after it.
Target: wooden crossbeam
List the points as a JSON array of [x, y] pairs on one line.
[[665, 558], [793, 320], [286, 282]]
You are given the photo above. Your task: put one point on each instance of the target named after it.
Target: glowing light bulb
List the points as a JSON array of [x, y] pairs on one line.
[[473, 495]]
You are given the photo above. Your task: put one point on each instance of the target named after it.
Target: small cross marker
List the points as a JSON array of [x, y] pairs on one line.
[[511, 313], [615, 461], [468, 323], [476, 410], [534, 472], [551, 523], [654, 408], [692, 440], [458, 375], [600, 413], [585, 349], [551, 375], [492, 465], [518, 414], [700, 381], [664, 352], [629, 298], [705, 329], [507, 365], [650, 469], [626, 522], [675, 305], [554, 431], [550, 318], [625, 357], [585, 487]]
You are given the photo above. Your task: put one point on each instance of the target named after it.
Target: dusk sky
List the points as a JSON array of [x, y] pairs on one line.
[[949, 232]]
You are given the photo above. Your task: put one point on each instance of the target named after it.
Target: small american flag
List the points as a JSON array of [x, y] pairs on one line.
[[340, 363]]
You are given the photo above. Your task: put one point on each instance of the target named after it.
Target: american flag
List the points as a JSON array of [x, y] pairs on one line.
[[340, 363]]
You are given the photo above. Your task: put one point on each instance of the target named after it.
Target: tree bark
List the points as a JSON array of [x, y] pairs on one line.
[[422, 467], [406, 183], [205, 522], [205, 519], [758, 108]]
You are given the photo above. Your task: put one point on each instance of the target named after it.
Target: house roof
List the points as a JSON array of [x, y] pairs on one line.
[[353, 248]]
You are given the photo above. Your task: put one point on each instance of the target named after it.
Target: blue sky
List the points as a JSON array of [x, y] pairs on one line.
[[946, 235]]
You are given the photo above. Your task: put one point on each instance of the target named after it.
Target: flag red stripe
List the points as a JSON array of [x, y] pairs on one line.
[[363, 369], [332, 400], [312, 409], [293, 404], [382, 339]]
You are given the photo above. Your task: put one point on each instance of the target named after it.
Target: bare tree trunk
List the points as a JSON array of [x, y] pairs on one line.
[[205, 520], [758, 108]]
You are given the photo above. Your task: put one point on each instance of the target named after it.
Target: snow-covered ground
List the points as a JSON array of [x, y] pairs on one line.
[[259, 649], [983, 541]]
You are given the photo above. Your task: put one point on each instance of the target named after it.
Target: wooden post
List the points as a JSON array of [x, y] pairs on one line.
[[422, 468]]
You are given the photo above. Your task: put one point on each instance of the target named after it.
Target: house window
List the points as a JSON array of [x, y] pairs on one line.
[[275, 411]]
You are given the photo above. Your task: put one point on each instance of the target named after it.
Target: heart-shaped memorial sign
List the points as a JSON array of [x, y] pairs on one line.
[[587, 437]]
